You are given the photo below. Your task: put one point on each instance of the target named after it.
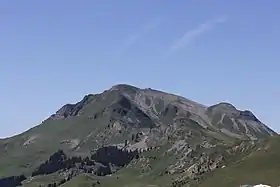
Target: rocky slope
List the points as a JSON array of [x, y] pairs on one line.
[[175, 137]]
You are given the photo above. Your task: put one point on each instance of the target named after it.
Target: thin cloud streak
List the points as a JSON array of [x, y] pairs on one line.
[[192, 34], [134, 38]]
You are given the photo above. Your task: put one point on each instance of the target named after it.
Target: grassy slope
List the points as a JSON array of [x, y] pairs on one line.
[[17, 159], [42, 180], [80, 181], [21, 159], [261, 166]]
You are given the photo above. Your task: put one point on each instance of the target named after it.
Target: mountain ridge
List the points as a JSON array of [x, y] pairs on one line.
[[134, 129], [222, 106]]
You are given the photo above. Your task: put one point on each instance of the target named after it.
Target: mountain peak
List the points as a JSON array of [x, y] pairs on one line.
[[122, 87], [224, 106], [231, 110]]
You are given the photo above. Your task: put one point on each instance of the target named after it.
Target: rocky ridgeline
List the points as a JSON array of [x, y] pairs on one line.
[[148, 108]]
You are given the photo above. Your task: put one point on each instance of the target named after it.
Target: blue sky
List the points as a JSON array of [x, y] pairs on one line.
[[54, 52]]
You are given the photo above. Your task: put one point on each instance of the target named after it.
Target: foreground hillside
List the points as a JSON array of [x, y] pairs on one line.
[[262, 166], [257, 165], [135, 137]]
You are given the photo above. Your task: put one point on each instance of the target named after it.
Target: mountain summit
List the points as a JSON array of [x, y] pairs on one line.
[[126, 121], [159, 106]]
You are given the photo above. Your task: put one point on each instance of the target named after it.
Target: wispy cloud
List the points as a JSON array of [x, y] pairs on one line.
[[190, 35], [135, 37]]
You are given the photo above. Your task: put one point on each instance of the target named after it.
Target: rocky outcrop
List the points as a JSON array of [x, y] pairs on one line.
[[100, 162], [72, 109], [237, 123], [103, 161]]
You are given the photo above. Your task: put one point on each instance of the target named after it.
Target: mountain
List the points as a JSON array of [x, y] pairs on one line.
[[131, 133]]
